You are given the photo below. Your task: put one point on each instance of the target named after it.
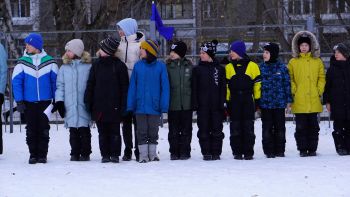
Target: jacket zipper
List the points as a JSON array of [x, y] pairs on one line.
[[37, 76]]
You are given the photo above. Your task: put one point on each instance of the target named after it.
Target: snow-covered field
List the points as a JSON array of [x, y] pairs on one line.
[[325, 175]]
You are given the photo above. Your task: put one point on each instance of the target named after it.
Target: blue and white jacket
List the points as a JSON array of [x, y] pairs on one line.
[[3, 69], [34, 78]]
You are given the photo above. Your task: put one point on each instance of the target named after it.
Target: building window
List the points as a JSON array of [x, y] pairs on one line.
[[20, 8], [172, 9]]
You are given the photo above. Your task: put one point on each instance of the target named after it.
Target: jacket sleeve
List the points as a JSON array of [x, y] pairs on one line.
[[286, 85], [60, 83], [321, 79], [228, 74], [18, 83], [327, 89], [3, 69], [291, 76], [53, 74], [90, 86], [194, 85], [223, 87], [165, 89], [131, 100], [257, 81], [124, 84]]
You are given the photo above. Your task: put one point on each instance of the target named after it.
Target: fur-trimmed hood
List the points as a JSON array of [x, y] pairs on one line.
[[315, 46], [85, 58]]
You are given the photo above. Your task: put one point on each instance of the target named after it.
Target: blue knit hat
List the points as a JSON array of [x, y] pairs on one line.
[[34, 40], [238, 47]]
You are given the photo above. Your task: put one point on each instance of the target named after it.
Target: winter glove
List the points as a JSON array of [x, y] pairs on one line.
[[59, 106], [1, 98], [21, 107]]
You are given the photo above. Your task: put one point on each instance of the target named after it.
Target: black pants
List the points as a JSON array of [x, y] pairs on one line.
[[210, 133], [128, 120], [180, 132], [341, 134], [306, 132], [242, 137], [109, 138], [80, 141], [273, 130], [37, 128], [148, 127]]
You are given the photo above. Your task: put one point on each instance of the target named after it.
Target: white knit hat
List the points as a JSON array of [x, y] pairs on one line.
[[76, 46]]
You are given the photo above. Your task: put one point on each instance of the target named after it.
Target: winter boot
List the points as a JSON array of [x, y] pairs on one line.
[[215, 157], [74, 158], [270, 155], [105, 159], [143, 158], [174, 157], [207, 157], [152, 152], [84, 158], [114, 159], [238, 157], [303, 154], [279, 155], [126, 157], [32, 160], [42, 160], [339, 142]]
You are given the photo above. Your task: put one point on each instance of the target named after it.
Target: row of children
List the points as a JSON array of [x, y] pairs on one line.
[[120, 87]]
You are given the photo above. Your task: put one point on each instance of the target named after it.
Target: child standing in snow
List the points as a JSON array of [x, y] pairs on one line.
[[180, 111], [275, 97], [69, 97], [307, 77], [105, 97], [148, 97], [337, 96], [34, 85], [208, 93], [244, 82]]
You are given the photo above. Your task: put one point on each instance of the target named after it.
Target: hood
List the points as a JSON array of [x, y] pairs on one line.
[[128, 25], [137, 37], [85, 58], [315, 47]]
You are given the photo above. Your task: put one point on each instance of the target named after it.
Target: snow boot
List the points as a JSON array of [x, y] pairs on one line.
[[339, 142], [143, 157], [303, 154], [207, 157], [216, 157], [114, 159], [152, 152], [174, 157], [84, 158], [105, 159], [42, 160], [74, 158], [238, 157], [32, 160]]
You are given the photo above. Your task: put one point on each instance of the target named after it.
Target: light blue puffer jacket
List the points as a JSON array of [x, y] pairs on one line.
[[71, 85]]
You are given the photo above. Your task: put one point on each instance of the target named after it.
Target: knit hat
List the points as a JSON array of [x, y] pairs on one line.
[[274, 49], [109, 45], [304, 38], [239, 48], [151, 46], [210, 48], [343, 48], [76, 46], [180, 48], [35, 40], [128, 25]]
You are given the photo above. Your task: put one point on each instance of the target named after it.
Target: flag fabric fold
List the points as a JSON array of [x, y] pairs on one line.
[[166, 32]]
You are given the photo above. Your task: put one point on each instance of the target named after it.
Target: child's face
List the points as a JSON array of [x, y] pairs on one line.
[[339, 56], [234, 55], [103, 54], [304, 47], [143, 53], [205, 57], [121, 32], [266, 55], [70, 54], [32, 50], [174, 56]]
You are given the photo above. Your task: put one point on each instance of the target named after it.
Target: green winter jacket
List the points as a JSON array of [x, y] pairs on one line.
[[180, 74]]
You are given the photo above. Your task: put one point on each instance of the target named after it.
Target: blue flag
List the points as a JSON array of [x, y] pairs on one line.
[[166, 32]]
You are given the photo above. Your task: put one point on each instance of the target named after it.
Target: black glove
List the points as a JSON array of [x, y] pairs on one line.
[[21, 107], [1, 98], [59, 106]]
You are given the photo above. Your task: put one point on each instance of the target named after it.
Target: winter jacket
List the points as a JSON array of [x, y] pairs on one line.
[[106, 89], [275, 86], [3, 69], [208, 86], [252, 71], [180, 76], [307, 77], [129, 50], [337, 90], [71, 84], [149, 88], [34, 78]]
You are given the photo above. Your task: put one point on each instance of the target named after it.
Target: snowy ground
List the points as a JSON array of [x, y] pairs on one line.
[[325, 175]]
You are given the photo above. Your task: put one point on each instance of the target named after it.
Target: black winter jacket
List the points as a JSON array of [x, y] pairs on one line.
[[107, 89], [337, 89], [208, 86]]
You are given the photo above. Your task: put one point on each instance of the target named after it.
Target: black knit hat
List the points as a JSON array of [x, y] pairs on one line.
[[109, 45], [210, 48], [180, 48], [343, 48], [274, 50], [304, 38]]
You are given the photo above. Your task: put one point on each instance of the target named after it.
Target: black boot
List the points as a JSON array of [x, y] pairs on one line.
[[174, 157], [115, 159], [84, 158], [42, 160], [303, 154], [207, 157], [216, 157], [32, 160], [74, 158], [238, 157], [105, 159]]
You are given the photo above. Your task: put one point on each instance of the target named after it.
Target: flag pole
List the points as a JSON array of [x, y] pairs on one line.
[[152, 25]]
